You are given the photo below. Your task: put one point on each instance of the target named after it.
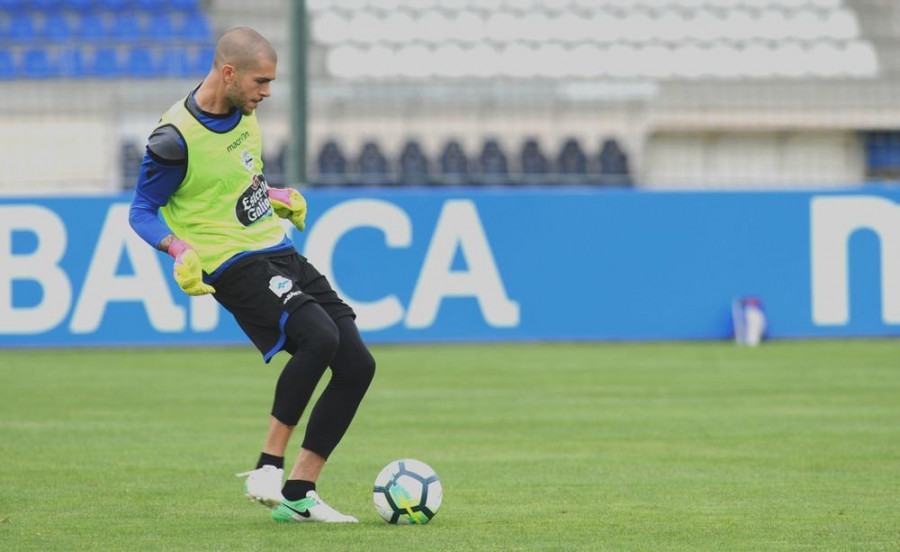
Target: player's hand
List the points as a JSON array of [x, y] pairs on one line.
[[289, 204], [188, 272]]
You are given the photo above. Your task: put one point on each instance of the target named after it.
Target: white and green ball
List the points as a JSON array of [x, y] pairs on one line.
[[407, 492]]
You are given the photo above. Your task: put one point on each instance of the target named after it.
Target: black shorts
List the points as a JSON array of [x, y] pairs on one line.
[[261, 291]]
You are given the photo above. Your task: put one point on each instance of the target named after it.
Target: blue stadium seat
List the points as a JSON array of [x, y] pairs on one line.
[[21, 28], [13, 6], [115, 5], [91, 27], [454, 164], [71, 62], [331, 165], [56, 28], [882, 153], [79, 6], [150, 6], [7, 65], [413, 165], [160, 27], [571, 160], [372, 166], [493, 167], [202, 60], [275, 167], [174, 62], [47, 6], [105, 63], [140, 63], [126, 27], [38, 64], [131, 156], [195, 27], [186, 6], [534, 163], [613, 164]]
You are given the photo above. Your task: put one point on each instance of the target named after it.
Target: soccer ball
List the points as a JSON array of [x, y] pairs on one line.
[[407, 492]]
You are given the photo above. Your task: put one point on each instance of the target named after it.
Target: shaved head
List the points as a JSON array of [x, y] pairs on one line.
[[242, 48]]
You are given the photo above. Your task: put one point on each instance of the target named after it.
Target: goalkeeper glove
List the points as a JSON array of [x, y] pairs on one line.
[[289, 204], [188, 272]]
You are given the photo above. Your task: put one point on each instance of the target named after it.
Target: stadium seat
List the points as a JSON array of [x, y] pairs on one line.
[[150, 6], [21, 28], [534, 163], [201, 60], [38, 64], [126, 27], [131, 157], [174, 62], [613, 164], [140, 63], [47, 6], [275, 168], [115, 5], [160, 28], [493, 167], [571, 160], [71, 62], [7, 65], [195, 27], [13, 6], [454, 164], [105, 63], [331, 165], [79, 6], [372, 166], [185, 6], [56, 28], [882, 154], [413, 165], [91, 27]]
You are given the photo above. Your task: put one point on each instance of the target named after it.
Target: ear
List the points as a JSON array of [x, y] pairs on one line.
[[228, 73]]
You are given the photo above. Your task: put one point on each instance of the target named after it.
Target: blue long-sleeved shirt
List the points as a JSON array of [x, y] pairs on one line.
[[163, 169]]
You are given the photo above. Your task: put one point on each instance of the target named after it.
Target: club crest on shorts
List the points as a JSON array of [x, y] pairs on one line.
[[280, 285]]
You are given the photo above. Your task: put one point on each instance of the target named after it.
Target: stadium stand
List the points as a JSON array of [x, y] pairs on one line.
[[694, 93]]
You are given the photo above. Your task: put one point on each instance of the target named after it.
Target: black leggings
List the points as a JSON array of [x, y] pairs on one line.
[[316, 342]]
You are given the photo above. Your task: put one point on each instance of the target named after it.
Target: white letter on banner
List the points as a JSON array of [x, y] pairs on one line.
[[832, 221], [339, 220], [459, 226], [204, 313], [41, 266], [147, 284]]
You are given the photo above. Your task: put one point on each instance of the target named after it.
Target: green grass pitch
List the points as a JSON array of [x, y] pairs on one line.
[[616, 446]]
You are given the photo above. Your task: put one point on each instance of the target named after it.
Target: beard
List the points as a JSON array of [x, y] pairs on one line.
[[238, 100]]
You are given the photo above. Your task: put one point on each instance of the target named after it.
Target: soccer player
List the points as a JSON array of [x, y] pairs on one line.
[[220, 222]]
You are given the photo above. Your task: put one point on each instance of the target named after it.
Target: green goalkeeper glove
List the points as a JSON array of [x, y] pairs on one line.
[[289, 204], [188, 272]]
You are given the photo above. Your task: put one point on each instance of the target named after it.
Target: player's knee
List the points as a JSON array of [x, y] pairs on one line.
[[323, 338], [366, 368], [359, 370], [313, 331]]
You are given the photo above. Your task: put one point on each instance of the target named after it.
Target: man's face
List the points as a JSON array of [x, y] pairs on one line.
[[251, 86]]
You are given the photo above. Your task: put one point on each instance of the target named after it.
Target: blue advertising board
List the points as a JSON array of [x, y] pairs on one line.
[[485, 264]]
